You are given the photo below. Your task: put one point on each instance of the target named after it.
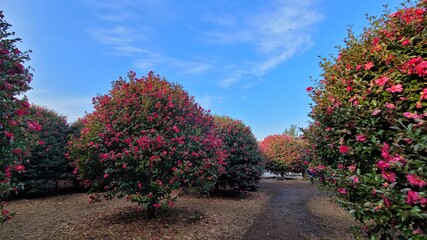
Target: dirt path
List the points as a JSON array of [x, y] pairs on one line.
[[279, 210], [298, 211]]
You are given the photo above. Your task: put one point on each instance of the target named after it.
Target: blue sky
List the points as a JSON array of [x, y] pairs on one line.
[[251, 60]]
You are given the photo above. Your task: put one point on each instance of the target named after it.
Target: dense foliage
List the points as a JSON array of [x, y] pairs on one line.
[[14, 81], [146, 138], [46, 163], [369, 136], [282, 154], [244, 161]]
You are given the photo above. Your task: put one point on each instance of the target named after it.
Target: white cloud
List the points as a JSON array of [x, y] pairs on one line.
[[277, 34], [268, 35], [208, 102]]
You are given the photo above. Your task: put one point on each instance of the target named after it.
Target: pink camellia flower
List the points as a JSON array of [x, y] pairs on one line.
[[139, 185], [381, 81], [34, 125], [375, 112], [387, 202], [8, 172], [355, 179], [390, 105], [305, 162], [41, 142], [412, 197], [395, 88], [156, 205], [343, 149], [175, 129], [369, 65], [309, 89], [373, 192], [383, 165], [352, 168], [361, 138], [320, 167], [412, 115], [106, 175], [416, 180], [423, 94], [389, 176], [124, 166], [405, 42], [340, 166], [423, 201], [418, 231], [20, 168], [342, 190]]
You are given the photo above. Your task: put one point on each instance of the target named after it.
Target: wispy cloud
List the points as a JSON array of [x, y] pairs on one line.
[[208, 101], [277, 34], [266, 35]]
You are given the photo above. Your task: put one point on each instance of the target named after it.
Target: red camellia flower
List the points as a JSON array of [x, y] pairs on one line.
[[34, 125], [309, 89], [343, 149], [20, 168], [416, 180], [387, 202], [389, 176], [175, 129], [361, 138], [412, 197]]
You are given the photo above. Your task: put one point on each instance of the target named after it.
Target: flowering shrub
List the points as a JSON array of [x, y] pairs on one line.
[[282, 153], [244, 161], [146, 138], [14, 80], [46, 162], [368, 137]]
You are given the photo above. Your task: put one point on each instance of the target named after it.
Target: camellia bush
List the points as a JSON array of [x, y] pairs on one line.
[[46, 163], [282, 153], [14, 129], [146, 138], [369, 135], [244, 161]]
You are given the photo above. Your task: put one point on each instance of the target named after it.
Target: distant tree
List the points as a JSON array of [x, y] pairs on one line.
[[244, 160], [46, 163], [292, 131], [282, 153]]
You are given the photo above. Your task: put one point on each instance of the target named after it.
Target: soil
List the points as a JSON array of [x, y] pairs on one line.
[[279, 210]]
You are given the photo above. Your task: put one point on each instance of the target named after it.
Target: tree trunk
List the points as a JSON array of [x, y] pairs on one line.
[[304, 174], [151, 212]]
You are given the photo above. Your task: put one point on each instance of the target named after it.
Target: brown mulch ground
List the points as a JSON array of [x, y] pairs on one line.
[[279, 210]]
